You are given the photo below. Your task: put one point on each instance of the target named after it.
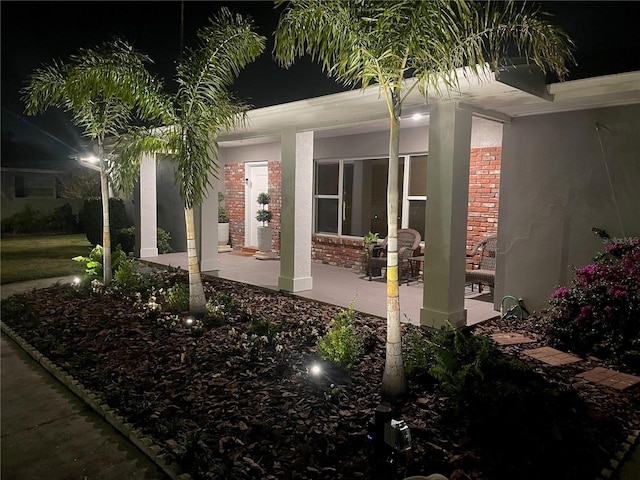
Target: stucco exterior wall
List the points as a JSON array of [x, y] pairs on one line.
[[555, 189], [170, 207], [485, 133]]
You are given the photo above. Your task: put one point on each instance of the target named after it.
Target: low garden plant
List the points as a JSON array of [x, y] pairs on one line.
[[178, 297], [598, 314], [93, 262], [342, 344]]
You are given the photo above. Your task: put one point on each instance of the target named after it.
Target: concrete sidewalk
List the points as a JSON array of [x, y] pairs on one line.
[[50, 434]]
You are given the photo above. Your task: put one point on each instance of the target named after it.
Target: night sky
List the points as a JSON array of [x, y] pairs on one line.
[[34, 33]]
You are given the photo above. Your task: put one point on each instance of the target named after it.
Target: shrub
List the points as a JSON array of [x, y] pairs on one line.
[[417, 353], [264, 215], [223, 215], [90, 218], [598, 315], [264, 328], [163, 238], [178, 297], [126, 238], [342, 343], [63, 220], [130, 279], [94, 261], [473, 372], [219, 308], [127, 277], [26, 220]]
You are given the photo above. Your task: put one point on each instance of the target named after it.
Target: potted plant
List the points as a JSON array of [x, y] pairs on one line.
[[370, 241], [265, 232], [223, 226]]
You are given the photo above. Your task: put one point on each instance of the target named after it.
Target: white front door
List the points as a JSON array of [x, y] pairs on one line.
[[256, 181]]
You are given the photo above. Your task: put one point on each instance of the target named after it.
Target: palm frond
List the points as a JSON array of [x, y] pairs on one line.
[[226, 46], [126, 156], [45, 88], [204, 106], [384, 41]]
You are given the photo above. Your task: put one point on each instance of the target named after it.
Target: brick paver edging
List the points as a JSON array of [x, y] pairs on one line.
[[143, 443], [620, 456], [553, 357]]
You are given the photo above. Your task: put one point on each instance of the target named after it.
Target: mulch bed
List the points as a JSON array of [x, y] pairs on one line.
[[231, 402]]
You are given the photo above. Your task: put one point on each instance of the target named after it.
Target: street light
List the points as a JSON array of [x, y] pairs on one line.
[[90, 161]]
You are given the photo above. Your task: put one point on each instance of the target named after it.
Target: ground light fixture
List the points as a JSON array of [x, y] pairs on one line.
[[315, 370], [189, 322]]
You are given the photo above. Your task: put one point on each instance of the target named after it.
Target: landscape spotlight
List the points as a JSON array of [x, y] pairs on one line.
[[188, 322], [315, 369]]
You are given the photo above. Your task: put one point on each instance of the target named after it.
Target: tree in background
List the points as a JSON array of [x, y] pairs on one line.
[[105, 89], [361, 43]]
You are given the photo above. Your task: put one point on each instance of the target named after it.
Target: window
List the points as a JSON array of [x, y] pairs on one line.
[[34, 186], [350, 196], [415, 202]]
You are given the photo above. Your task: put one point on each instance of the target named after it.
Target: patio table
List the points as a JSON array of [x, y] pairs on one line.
[[414, 268]]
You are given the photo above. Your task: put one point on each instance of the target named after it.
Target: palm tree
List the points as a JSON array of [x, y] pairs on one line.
[[104, 88], [364, 42], [200, 109]]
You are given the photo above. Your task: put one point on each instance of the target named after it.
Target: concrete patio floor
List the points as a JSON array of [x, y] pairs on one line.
[[334, 285]]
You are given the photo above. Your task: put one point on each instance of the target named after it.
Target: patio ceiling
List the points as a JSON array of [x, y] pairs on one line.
[[364, 111]]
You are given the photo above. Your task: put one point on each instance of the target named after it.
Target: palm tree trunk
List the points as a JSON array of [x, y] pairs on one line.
[[197, 299], [106, 231], [394, 382]]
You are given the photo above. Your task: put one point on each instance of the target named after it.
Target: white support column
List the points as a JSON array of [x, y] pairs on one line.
[[296, 221], [147, 201], [446, 217], [207, 233]]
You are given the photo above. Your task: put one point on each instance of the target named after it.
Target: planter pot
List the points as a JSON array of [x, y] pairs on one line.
[[264, 239], [223, 233], [223, 237]]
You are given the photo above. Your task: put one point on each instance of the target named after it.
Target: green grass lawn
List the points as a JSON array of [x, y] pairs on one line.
[[30, 258]]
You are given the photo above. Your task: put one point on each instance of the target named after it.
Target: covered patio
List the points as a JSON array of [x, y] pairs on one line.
[[334, 285]]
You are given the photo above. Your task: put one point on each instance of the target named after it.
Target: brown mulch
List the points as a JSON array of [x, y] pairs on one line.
[[235, 402]]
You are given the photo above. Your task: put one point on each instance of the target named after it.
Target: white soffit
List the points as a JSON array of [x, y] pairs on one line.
[[360, 111]]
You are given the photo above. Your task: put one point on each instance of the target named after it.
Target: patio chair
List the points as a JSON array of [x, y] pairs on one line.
[[408, 244], [484, 271]]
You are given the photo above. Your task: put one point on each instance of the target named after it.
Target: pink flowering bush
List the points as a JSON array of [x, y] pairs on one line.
[[600, 314]]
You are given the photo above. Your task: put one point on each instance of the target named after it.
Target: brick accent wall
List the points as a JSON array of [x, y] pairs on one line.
[[234, 202], [484, 193], [341, 252], [275, 191]]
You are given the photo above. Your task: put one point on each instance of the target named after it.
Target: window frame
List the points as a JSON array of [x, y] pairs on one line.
[[406, 198]]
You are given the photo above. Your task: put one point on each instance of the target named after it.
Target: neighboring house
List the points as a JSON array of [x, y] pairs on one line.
[[561, 158], [33, 187]]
